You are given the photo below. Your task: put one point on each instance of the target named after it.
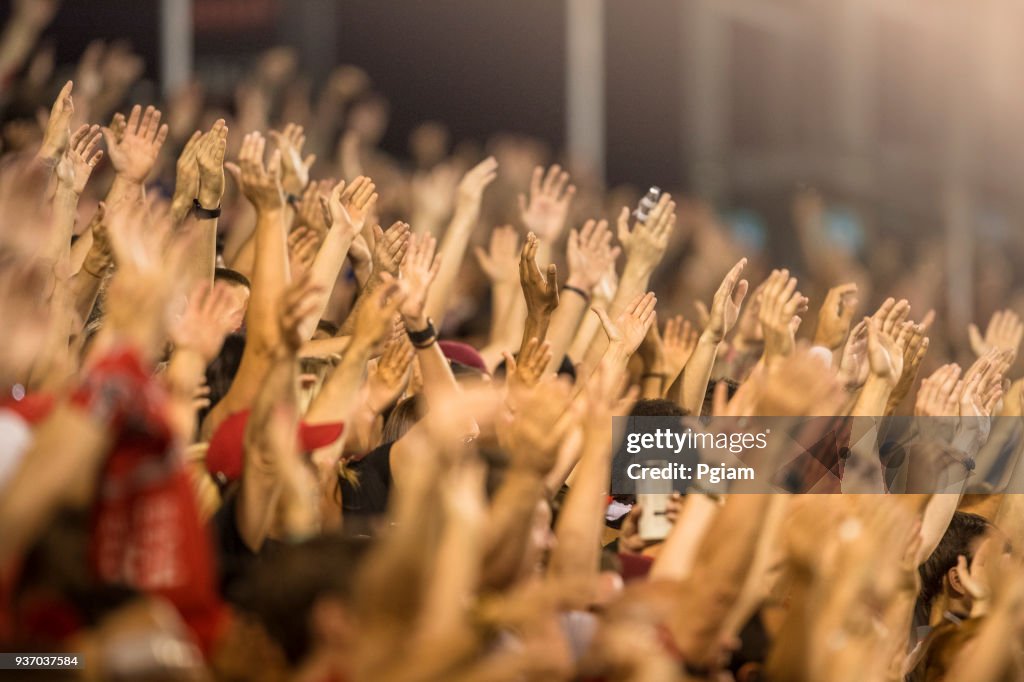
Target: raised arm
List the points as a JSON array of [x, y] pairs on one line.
[[348, 208], [581, 520], [272, 427], [539, 289], [261, 185], [589, 254], [456, 238], [725, 310], [133, 146]]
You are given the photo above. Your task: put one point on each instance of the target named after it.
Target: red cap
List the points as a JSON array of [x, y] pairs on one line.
[[464, 354], [226, 453]]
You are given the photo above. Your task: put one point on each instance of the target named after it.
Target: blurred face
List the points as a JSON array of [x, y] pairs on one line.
[[239, 296]]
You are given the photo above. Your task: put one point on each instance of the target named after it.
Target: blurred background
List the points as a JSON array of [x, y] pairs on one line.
[[904, 114]]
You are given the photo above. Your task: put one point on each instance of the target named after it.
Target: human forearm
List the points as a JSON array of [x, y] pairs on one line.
[[872, 399], [715, 583], [269, 277], [124, 189], [697, 373], [564, 323], [340, 392], [453, 246], [271, 425], [57, 248], [324, 273], [680, 551], [581, 520], [509, 526]]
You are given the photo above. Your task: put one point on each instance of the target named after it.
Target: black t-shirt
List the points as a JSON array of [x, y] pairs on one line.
[[236, 559], [368, 497]]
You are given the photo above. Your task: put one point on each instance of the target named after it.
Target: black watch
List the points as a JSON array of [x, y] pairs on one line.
[[204, 213], [424, 337]]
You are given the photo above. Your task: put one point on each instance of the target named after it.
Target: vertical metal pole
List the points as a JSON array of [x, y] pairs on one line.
[[705, 94], [175, 44], [584, 84]]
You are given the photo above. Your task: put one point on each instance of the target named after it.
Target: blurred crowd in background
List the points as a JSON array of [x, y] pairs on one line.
[[278, 404]]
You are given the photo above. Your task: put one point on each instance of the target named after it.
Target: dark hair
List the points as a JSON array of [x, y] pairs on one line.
[[401, 418], [283, 587], [657, 407], [327, 327], [229, 275], [566, 369], [964, 528], [709, 395], [221, 372]]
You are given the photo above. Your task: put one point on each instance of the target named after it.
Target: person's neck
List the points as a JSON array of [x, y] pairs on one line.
[[958, 606]]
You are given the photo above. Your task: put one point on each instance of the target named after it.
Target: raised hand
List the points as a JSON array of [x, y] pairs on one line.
[[1004, 332], [589, 254], [209, 151], [529, 368], [725, 307], [186, 178], [781, 304], [540, 291], [835, 316], [545, 211], [647, 241], [419, 268], [680, 340], [298, 302], [501, 258], [891, 316], [303, 245], [294, 169], [58, 127], [389, 376], [937, 396], [433, 193], [375, 320], [539, 423], [207, 319], [134, 151], [138, 233], [80, 158], [913, 354], [390, 247], [853, 367], [471, 188], [310, 211], [348, 207], [631, 326], [261, 184], [885, 353]]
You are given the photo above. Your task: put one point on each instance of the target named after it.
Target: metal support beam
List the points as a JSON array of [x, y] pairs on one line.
[[584, 85], [175, 44]]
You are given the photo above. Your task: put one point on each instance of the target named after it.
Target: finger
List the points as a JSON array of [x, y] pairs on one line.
[[133, 119]]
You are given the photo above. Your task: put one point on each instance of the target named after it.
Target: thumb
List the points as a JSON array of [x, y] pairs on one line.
[[235, 171], [623, 225], [482, 258], [109, 137], [977, 343]]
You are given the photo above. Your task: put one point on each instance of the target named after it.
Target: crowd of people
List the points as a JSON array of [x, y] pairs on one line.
[[280, 406]]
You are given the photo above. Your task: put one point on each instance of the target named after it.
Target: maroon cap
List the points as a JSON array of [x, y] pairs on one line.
[[464, 354], [226, 453]]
